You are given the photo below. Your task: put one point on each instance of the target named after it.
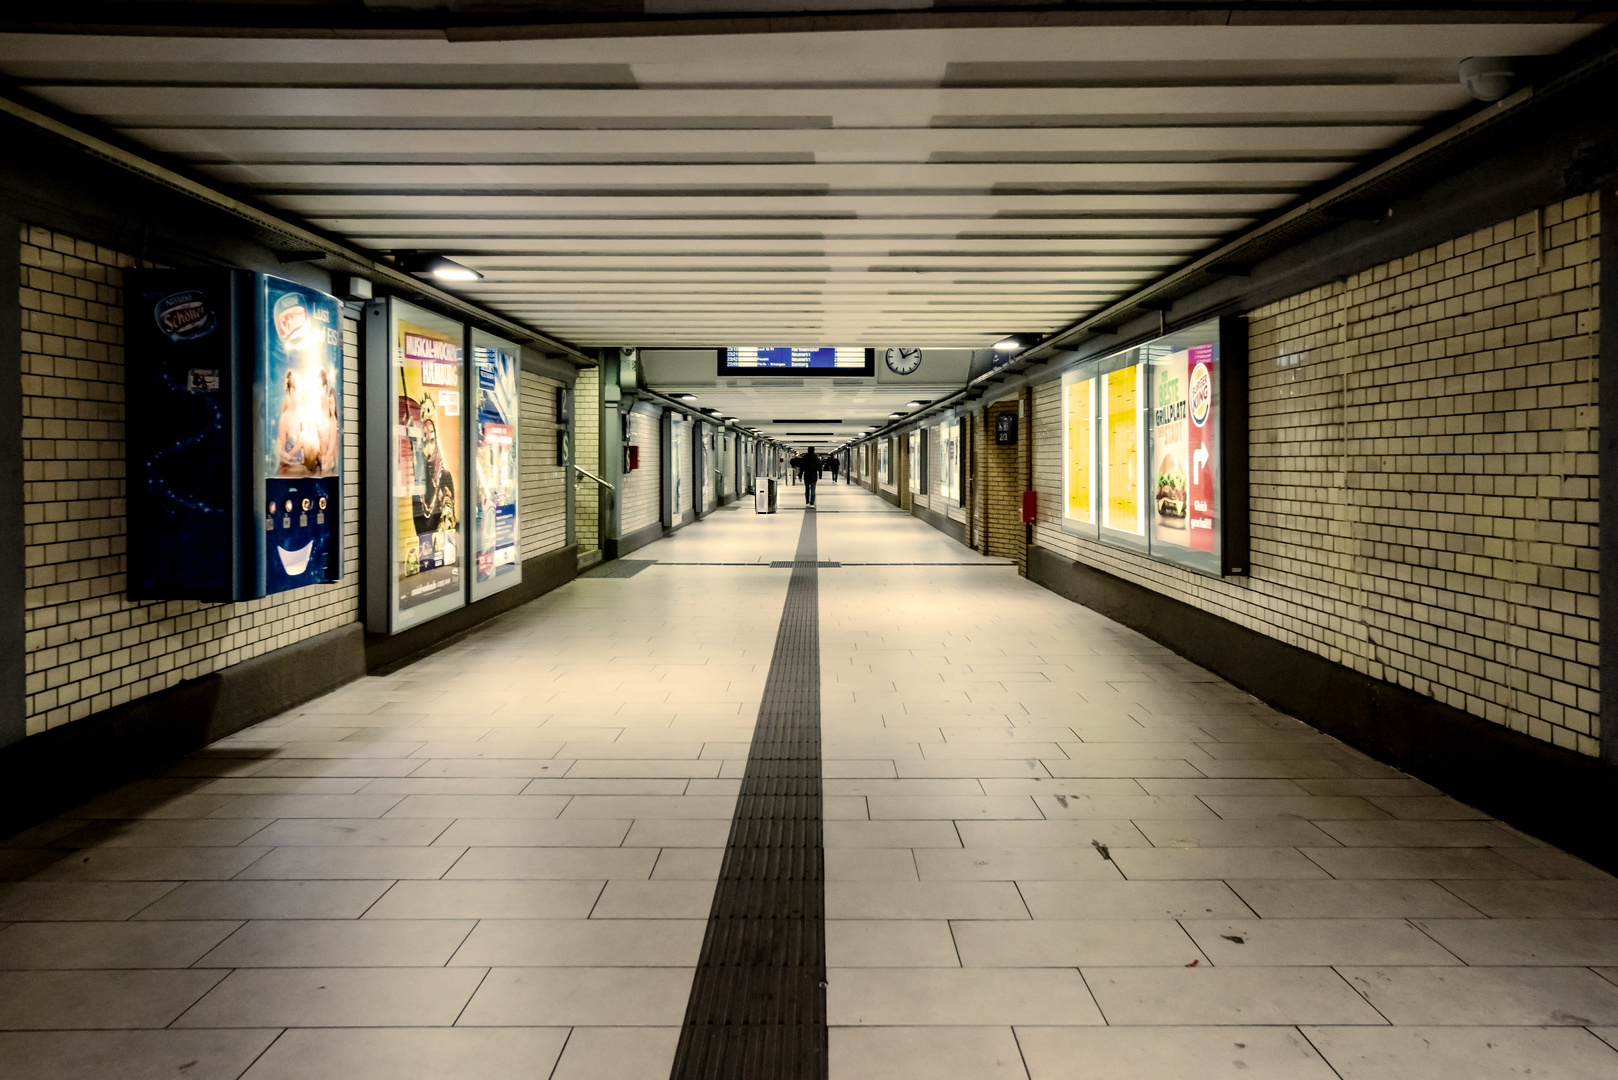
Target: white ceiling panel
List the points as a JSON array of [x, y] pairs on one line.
[[936, 187]]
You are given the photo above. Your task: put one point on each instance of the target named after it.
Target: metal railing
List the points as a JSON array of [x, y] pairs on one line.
[[593, 476]]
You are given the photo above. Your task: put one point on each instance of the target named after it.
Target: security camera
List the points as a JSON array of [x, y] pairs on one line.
[[1488, 78]]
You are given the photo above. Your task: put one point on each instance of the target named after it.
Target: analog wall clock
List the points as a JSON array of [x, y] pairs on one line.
[[903, 361]]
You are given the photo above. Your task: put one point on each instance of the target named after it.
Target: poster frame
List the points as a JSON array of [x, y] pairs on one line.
[[383, 614], [1085, 373], [1138, 542], [1229, 439], [510, 574], [267, 475], [949, 461]]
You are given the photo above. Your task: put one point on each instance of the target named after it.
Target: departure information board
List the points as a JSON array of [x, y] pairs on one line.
[[797, 359]]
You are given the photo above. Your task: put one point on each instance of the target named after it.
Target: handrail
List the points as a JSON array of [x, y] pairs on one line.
[[594, 477]]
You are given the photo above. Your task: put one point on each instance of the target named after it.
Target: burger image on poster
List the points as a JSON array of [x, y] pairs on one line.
[[1171, 491]]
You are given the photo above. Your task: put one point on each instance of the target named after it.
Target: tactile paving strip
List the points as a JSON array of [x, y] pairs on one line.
[[758, 1002], [619, 568]]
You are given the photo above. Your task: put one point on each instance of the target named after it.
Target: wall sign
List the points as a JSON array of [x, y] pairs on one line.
[[1005, 429]]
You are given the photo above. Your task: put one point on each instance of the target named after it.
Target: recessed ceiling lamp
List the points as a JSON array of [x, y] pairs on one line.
[[683, 397], [428, 264], [1013, 343], [916, 404], [897, 415]]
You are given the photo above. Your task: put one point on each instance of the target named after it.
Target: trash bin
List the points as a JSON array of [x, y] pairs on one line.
[[764, 495]]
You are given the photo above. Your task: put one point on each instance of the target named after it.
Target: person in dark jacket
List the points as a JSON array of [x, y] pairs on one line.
[[811, 473], [831, 466]]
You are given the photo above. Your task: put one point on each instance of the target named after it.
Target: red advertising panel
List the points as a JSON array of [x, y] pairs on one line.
[[1200, 446]]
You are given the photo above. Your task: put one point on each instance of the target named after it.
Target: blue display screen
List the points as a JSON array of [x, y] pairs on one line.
[[794, 356]]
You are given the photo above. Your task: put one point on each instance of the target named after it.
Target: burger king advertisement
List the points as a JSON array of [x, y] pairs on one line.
[[1175, 427], [1182, 449]]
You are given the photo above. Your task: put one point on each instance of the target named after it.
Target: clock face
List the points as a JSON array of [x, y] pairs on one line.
[[903, 361]]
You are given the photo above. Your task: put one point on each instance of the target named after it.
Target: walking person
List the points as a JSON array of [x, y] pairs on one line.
[[811, 473], [831, 465]]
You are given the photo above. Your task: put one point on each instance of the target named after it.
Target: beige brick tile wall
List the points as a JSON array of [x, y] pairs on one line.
[[543, 490], [88, 647], [587, 452], [1424, 481], [1001, 472]]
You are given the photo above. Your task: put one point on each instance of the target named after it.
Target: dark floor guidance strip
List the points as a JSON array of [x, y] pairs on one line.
[[758, 1003]]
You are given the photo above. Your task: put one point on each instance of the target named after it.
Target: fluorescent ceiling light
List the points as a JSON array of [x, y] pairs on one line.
[[433, 265], [1008, 345], [916, 404], [683, 397]]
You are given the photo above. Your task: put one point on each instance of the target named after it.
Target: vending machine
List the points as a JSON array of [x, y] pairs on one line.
[[233, 435]]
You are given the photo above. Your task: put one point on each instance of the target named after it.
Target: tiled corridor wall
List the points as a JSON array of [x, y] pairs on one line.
[[88, 647], [543, 483], [1001, 477], [1423, 469], [587, 453]]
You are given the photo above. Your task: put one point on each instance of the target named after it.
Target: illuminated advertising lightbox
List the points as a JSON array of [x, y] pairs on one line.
[[883, 462], [1185, 457], [1121, 451], [233, 433], [949, 462], [1149, 425], [300, 359], [416, 476], [496, 438], [1079, 451]]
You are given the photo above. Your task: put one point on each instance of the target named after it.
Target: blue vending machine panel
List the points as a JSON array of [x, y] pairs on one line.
[[299, 391], [233, 391], [185, 408]]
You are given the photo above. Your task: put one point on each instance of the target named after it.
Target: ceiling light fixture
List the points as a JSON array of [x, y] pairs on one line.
[[897, 415], [916, 404], [433, 265], [683, 397]]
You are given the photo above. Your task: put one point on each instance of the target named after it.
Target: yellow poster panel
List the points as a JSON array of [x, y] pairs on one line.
[[1080, 450], [1123, 450]]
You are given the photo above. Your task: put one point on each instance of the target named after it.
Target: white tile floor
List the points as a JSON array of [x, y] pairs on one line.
[[1054, 850]]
